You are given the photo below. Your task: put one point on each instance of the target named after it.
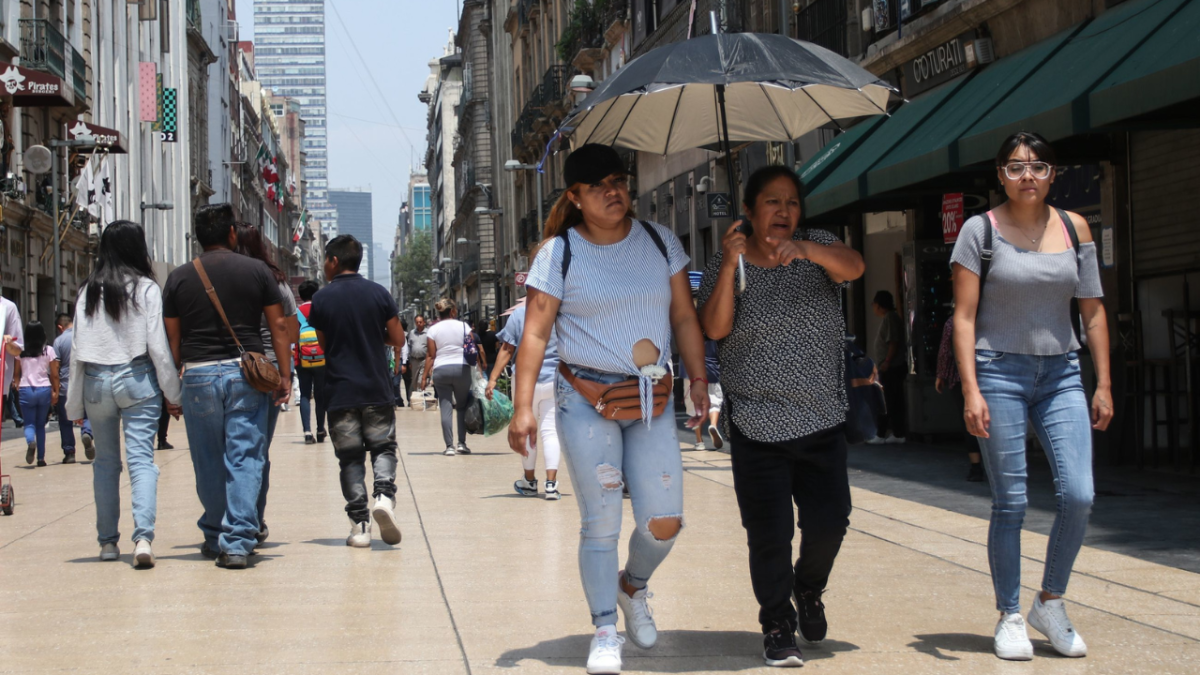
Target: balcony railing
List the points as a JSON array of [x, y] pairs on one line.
[[584, 30], [44, 48], [824, 23], [78, 76], [556, 83]]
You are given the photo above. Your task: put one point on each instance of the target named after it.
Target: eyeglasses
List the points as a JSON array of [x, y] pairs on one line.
[[1039, 170]]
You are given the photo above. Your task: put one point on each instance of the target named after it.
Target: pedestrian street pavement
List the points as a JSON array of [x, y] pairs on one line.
[[485, 581]]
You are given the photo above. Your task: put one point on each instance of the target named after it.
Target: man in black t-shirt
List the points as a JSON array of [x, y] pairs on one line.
[[356, 319], [226, 417]]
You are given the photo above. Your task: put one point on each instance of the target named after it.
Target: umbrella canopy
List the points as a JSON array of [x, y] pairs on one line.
[[775, 89]]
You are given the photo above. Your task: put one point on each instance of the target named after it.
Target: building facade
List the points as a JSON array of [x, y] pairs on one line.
[[354, 218], [442, 94], [290, 53]]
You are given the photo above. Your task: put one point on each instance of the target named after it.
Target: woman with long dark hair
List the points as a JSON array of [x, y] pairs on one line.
[[37, 375], [124, 371], [615, 290], [1017, 270], [251, 244], [780, 345]]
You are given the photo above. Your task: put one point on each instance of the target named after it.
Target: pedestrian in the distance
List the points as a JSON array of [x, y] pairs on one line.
[[310, 366], [37, 378], [400, 367], [66, 424], [356, 319], [783, 377], [14, 344], [712, 375], [614, 303], [250, 243], [417, 340], [891, 360], [123, 372], [947, 382], [544, 407], [1018, 356], [452, 347], [488, 343]]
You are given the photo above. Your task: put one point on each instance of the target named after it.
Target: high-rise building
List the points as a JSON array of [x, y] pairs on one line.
[[289, 55], [354, 217], [420, 211]]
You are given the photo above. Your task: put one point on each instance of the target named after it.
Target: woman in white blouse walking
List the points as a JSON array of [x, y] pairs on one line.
[[121, 349]]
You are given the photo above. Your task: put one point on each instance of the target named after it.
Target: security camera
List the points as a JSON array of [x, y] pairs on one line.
[[703, 185]]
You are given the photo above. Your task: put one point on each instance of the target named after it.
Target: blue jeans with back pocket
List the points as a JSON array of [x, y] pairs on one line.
[[125, 395], [1047, 391]]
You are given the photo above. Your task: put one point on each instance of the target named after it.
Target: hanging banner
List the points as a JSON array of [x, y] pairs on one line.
[[169, 124], [148, 91], [158, 103], [952, 216]]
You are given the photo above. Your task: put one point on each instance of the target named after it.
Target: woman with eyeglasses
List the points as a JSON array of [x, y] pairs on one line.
[[1017, 270]]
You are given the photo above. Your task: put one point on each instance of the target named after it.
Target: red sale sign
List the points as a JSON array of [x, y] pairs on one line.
[[520, 277], [952, 216]]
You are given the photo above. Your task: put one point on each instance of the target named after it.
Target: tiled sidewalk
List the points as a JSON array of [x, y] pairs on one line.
[[485, 581]]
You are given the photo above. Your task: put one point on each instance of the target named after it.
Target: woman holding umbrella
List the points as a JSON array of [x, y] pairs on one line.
[[615, 290], [782, 372]]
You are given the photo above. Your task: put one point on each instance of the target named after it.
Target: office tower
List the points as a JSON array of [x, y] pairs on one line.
[[354, 217]]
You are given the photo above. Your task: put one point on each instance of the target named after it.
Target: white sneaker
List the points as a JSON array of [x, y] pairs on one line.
[[552, 490], [1012, 642], [1050, 619], [360, 535], [450, 452], [604, 656], [700, 446], [896, 440], [143, 556], [639, 619], [385, 516], [110, 552], [878, 440], [715, 435], [527, 488]]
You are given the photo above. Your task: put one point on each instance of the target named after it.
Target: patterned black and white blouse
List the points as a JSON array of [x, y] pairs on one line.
[[782, 367]]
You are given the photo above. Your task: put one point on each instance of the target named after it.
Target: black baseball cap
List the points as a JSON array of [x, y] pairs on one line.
[[592, 163]]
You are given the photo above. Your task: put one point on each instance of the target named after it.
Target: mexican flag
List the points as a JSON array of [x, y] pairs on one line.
[[300, 227]]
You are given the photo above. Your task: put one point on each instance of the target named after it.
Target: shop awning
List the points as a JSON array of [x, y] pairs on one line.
[[35, 88], [1053, 99], [106, 139], [1163, 71]]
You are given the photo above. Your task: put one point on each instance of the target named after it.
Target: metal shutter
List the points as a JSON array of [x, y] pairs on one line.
[[1166, 177]]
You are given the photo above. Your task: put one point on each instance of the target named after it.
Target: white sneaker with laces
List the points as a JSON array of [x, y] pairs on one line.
[[700, 446], [604, 656], [1012, 641], [1050, 619], [552, 490], [384, 514], [143, 555], [110, 552], [360, 535], [639, 619], [526, 488]]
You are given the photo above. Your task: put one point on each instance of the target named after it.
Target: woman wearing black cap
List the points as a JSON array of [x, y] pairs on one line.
[[614, 289]]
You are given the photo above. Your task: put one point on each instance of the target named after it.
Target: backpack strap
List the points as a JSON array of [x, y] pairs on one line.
[[654, 236], [566, 240], [985, 256], [1073, 235], [662, 246]]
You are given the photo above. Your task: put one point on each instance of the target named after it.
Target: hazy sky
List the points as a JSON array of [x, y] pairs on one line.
[[396, 39]]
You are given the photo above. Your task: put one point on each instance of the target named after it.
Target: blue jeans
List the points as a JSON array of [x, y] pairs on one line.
[[35, 408], [603, 455], [1048, 391], [66, 427], [261, 504], [114, 396], [227, 431]]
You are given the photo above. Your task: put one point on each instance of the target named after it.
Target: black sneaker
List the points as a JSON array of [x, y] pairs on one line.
[[812, 616], [231, 561], [320, 436], [210, 553], [68, 458], [309, 440], [30, 453], [780, 650], [41, 462], [163, 445], [89, 446], [975, 473], [263, 533]]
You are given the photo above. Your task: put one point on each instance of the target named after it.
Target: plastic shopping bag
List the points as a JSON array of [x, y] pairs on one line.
[[497, 413]]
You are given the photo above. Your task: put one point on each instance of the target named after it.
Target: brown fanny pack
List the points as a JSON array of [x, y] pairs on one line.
[[619, 400], [256, 368]]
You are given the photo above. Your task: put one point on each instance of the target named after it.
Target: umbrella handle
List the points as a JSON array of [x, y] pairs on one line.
[[741, 286]]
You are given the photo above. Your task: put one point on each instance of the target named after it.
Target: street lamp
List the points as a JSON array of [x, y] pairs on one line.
[[514, 165]]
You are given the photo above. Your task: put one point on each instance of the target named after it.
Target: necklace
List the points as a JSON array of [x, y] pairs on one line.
[[1033, 240]]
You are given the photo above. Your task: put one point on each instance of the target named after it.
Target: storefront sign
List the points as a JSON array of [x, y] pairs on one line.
[[106, 139], [168, 119], [940, 64], [1107, 255], [719, 205], [34, 88], [520, 278], [952, 216]]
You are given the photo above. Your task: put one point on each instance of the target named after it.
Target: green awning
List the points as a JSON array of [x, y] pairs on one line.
[[1053, 100], [1162, 72], [930, 150], [846, 182], [830, 157]]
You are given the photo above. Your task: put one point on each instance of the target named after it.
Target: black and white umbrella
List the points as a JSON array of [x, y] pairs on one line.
[[722, 88]]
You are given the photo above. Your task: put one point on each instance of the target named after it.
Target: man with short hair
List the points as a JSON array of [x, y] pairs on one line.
[[226, 416], [310, 366], [418, 349], [66, 427], [356, 319]]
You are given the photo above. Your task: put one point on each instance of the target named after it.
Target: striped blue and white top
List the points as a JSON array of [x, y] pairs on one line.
[[613, 296]]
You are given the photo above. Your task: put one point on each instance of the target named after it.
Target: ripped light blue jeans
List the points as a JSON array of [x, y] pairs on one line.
[[603, 455], [1048, 391]]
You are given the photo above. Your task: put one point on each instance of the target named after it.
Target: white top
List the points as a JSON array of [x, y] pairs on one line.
[[11, 318], [448, 335], [613, 296], [100, 340]]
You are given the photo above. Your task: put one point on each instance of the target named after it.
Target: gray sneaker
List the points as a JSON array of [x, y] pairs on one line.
[[450, 452], [462, 449]]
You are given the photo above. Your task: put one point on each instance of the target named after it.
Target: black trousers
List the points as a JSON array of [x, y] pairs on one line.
[[896, 420], [164, 422], [358, 433], [768, 478]]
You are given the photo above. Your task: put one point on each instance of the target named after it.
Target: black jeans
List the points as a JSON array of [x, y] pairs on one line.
[[164, 422], [356, 432], [767, 478], [312, 389], [896, 420]]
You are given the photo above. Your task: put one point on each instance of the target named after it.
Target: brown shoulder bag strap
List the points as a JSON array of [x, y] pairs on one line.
[[212, 295]]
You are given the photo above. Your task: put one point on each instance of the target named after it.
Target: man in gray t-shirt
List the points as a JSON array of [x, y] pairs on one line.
[[418, 348], [66, 426]]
